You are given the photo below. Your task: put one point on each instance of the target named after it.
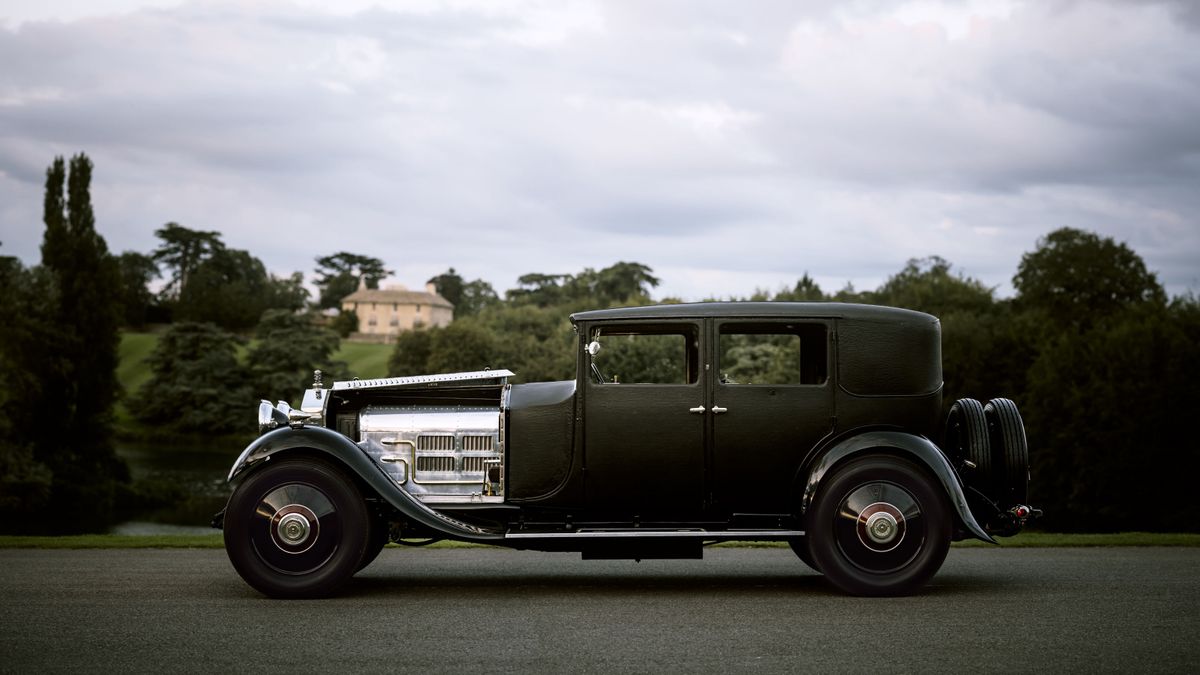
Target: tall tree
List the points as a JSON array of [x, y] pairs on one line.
[[182, 251], [79, 386], [338, 276], [137, 270]]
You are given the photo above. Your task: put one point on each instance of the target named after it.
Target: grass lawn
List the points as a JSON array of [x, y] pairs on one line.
[[364, 360]]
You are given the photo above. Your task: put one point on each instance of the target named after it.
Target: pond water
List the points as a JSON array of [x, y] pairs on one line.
[[197, 472]]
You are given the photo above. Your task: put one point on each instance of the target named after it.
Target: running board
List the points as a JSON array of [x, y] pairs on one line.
[[643, 532]]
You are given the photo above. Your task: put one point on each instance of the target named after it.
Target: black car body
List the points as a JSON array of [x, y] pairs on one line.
[[811, 423]]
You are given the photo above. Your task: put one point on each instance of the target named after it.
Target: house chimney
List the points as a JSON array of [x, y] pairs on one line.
[[431, 288]]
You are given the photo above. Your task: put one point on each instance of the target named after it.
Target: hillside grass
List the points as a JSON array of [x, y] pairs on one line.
[[1023, 540], [363, 360]]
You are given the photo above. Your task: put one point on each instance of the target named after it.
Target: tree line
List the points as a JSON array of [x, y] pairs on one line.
[[1100, 360]]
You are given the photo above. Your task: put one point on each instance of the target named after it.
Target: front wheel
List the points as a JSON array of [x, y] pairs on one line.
[[879, 526], [296, 529]]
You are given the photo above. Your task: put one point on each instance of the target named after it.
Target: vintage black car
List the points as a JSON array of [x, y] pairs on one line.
[[814, 424]]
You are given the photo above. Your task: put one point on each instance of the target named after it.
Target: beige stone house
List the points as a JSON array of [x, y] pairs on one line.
[[385, 313]]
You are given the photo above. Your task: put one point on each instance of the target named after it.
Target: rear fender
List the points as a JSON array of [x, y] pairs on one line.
[[906, 445], [349, 455]]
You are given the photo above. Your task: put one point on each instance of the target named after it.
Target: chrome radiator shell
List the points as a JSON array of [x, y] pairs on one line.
[[437, 453]]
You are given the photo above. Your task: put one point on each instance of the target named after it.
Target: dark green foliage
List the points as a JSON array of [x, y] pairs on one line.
[[1113, 407], [928, 285], [624, 283], [806, 290], [338, 276], [137, 271], [198, 385], [468, 298], [1076, 276], [232, 289], [182, 251], [58, 362], [288, 347], [345, 323], [25, 483], [411, 355]]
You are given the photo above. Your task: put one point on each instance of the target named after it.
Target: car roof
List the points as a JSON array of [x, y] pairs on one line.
[[770, 310]]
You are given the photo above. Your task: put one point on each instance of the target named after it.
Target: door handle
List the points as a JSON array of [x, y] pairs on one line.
[[699, 410], [717, 410]]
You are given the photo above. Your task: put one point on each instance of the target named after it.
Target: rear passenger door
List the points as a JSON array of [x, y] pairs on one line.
[[771, 402]]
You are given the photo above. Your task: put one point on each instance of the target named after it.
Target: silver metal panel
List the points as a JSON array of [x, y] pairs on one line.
[[482, 377], [441, 452]]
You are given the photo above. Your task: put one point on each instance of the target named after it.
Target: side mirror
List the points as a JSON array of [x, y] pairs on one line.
[[593, 348]]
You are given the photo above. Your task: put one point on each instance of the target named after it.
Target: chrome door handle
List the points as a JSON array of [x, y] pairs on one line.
[[717, 410], [699, 410]]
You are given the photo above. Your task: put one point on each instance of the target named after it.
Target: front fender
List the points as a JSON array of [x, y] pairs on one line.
[[904, 444], [355, 459]]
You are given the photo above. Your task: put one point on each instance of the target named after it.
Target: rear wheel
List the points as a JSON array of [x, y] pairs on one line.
[[296, 529], [879, 526]]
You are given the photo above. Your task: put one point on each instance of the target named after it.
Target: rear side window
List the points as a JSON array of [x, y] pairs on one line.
[[774, 354]]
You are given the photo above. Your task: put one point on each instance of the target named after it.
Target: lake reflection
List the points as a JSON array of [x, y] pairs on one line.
[[197, 471]]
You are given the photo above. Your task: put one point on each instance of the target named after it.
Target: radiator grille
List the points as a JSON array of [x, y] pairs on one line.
[[435, 443], [435, 463], [475, 464], [478, 443]]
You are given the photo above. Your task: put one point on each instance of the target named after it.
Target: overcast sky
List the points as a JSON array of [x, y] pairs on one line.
[[728, 145]]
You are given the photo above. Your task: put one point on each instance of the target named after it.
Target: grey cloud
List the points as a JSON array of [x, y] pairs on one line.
[[727, 143]]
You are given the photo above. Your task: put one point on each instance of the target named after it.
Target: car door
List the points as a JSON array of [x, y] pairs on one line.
[[771, 402], [644, 421]]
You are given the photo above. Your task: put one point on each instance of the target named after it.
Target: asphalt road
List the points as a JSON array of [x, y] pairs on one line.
[[494, 610]]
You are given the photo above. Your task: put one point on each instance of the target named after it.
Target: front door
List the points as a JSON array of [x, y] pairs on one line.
[[645, 422]]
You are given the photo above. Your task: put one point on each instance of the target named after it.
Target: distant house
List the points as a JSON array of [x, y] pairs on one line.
[[385, 313]]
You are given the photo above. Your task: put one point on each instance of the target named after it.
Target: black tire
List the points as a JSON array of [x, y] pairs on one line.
[[879, 526], [376, 540], [967, 440], [296, 529], [800, 548], [1011, 451]]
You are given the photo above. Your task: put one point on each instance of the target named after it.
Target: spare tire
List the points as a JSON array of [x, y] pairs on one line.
[[969, 445], [1007, 431]]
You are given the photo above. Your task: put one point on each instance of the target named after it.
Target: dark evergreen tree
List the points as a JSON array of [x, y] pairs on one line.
[[70, 414], [137, 271], [182, 251], [288, 348], [338, 276], [197, 383]]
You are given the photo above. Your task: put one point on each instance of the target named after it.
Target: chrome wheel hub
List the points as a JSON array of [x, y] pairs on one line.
[[880, 527], [294, 528]]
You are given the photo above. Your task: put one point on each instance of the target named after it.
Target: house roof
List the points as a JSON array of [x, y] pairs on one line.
[[404, 297]]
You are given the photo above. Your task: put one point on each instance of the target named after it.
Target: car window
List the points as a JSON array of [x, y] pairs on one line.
[[773, 354], [647, 356]]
